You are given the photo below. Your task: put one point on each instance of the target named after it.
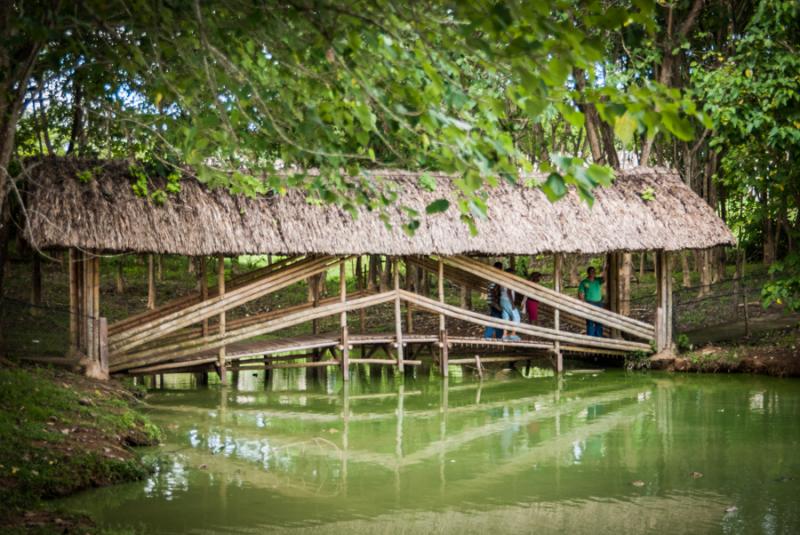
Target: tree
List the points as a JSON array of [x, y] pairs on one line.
[[233, 87], [753, 99]]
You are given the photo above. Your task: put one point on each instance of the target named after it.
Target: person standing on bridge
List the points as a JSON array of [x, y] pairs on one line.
[[493, 300], [508, 304], [531, 304], [590, 290]]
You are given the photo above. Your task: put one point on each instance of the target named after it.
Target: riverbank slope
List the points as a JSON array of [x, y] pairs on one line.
[[773, 352], [61, 433]]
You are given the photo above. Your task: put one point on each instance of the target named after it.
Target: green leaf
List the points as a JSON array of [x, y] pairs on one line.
[[427, 182], [439, 205], [625, 127], [554, 187], [679, 126], [572, 115], [600, 174], [411, 227]]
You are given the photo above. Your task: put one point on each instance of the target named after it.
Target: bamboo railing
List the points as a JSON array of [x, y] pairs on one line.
[[194, 297], [168, 339], [555, 299], [183, 349], [184, 317], [540, 332]]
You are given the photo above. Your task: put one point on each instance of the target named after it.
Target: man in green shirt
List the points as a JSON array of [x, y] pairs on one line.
[[590, 290]]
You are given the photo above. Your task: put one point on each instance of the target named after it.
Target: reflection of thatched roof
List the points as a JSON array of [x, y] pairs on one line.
[[105, 214]]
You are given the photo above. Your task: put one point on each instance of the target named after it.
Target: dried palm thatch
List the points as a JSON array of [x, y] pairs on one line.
[[104, 214]]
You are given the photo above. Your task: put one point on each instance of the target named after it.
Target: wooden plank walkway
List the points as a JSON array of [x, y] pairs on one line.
[[297, 347]]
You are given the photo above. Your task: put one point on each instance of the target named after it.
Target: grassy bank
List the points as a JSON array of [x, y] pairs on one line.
[[772, 352], [61, 433]]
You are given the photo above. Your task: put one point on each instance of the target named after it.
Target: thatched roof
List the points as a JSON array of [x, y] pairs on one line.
[[105, 214]]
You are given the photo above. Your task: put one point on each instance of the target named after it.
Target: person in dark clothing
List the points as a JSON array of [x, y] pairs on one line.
[[495, 311]]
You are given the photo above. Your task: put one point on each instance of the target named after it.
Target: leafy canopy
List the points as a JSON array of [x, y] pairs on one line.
[[241, 90]]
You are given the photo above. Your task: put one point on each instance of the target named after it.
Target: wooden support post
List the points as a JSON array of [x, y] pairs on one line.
[[612, 285], [74, 300], [479, 366], [102, 341], [96, 285], [410, 269], [444, 351], [440, 282], [360, 285], [222, 355], [398, 323], [88, 306], [625, 275], [345, 342], [82, 290], [558, 260], [663, 302], [88, 318], [314, 282], [203, 282], [151, 284]]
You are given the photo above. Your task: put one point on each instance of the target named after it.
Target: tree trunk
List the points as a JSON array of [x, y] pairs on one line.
[[5, 226], [372, 273], [642, 259], [322, 285], [591, 120], [704, 267], [359, 273], [720, 264], [17, 67], [119, 280], [770, 247], [386, 275], [574, 273], [739, 264], [670, 61], [36, 281], [76, 132], [4, 236], [686, 270]]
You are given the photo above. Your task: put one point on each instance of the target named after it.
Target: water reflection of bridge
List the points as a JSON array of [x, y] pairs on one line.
[[294, 435]]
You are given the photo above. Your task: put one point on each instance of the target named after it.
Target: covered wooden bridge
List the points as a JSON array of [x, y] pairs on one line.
[[645, 210]]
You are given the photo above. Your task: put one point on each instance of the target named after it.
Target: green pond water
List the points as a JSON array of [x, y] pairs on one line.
[[602, 452]]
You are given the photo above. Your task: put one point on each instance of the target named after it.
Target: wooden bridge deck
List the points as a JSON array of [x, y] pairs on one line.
[[277, 350]]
